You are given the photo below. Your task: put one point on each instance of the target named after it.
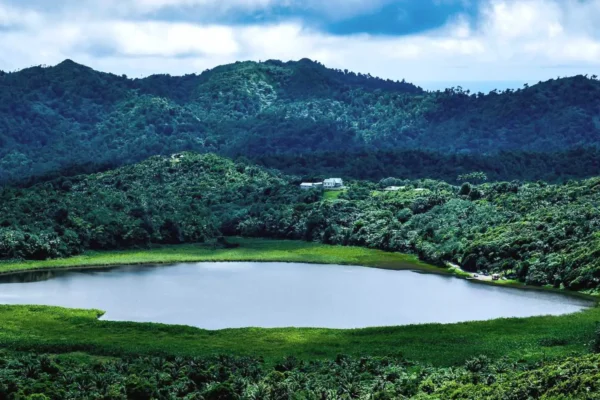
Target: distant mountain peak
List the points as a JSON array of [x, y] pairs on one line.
[[306, 61], [68, 63]]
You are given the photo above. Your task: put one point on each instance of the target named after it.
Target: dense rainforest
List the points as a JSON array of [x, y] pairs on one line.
[[538, 233], [71, 118], [42, 377]]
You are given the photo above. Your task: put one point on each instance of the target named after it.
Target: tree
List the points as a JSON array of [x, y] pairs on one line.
[[221, 391], [596, 342], [465, 189], [474, 177]]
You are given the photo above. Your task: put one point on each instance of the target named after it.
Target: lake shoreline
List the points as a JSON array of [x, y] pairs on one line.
[[249, 250], [262, 250], [242, 294], [61, 330], [64, 330]]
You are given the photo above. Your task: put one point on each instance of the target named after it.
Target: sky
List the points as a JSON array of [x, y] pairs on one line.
[[476, 44]]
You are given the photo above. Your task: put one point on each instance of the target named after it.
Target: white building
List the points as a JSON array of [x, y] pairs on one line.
[[333, 183], [311, 185]]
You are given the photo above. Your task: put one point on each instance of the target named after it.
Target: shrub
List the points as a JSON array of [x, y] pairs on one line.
[[596, 342]]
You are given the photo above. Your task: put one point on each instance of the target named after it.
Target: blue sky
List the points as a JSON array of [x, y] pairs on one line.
[[478, 44]]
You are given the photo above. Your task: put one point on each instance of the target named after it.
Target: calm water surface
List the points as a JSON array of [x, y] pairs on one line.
[[241, 294]]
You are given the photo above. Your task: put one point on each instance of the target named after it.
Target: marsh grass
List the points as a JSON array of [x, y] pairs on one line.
[[59, 330], [256, 250], [247, 250]]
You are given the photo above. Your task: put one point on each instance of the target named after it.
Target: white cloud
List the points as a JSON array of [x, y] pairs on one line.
[[12, 17], [171, 40], [543, 31], [525, 40]]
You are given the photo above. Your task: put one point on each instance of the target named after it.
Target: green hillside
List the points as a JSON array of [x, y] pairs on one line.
[[538, 233], [177, 199], [72, 117]]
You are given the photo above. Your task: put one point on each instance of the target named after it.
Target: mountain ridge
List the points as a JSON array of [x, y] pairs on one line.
[[69, 114]]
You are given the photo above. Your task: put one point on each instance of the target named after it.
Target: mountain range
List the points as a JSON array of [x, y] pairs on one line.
[[71, 117]]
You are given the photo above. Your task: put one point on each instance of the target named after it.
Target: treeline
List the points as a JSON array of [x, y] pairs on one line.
[[538, 233], [409, 164], [45, 377], [378, 164]]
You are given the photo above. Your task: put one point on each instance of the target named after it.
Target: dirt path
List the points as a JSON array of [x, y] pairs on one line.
[[478, 277]]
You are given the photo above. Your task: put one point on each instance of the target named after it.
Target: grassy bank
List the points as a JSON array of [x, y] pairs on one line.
[[259, 250], [49, 329], [57, 330], [248, 250]]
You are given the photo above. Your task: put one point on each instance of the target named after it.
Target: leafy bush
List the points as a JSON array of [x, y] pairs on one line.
[[595, 347], [225, 378]]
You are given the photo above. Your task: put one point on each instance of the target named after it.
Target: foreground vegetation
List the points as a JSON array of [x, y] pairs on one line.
[[76, 376], [57, 330]]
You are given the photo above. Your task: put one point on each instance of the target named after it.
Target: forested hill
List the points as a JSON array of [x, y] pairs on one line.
[[541, 234], [52, 118]]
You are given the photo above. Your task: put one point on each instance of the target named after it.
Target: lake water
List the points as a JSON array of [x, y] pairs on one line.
[[242, 294]]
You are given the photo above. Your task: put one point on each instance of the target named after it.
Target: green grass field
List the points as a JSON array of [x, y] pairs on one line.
[[332, 194], [261, 250], [248, 250], [56, 330]]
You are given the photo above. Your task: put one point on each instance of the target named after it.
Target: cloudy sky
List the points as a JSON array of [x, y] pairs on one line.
[[479, 44]]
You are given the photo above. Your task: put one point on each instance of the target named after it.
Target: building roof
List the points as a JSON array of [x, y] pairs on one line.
[[311, 184], [394, 188], [334, 180]]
